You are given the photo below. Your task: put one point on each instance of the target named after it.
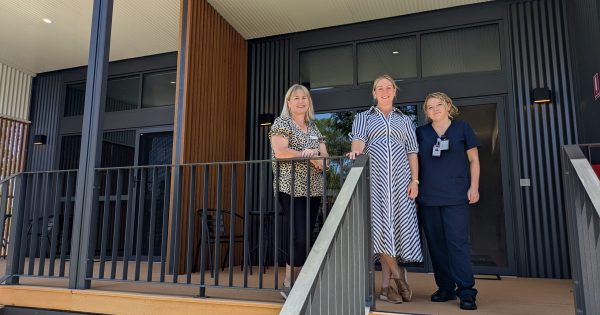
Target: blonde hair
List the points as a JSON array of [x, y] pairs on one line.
[[384, 77], [285, 112], [446, 100]]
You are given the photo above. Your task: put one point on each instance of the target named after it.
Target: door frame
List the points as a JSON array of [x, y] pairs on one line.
[[507, 171]]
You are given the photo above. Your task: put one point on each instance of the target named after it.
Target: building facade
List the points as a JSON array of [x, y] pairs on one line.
[[182, 107]]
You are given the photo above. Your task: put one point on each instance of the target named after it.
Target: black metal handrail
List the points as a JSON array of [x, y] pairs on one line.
[[152, 224], [582, 201]]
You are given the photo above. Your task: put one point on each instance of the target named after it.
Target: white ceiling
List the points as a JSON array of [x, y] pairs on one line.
[[147, 27]]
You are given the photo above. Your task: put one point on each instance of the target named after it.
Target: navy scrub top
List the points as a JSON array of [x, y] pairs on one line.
[[445, 180]]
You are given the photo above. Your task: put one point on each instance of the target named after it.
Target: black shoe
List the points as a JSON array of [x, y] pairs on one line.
[[468, 303], [443, 296]]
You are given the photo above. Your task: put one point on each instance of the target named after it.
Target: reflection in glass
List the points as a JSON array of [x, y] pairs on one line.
[[396, 57], [122, 94], [327, 67], [335, 127], [470, 49], [118, 148], [159, 89], [411, 112], [488, 230], [74, 99]]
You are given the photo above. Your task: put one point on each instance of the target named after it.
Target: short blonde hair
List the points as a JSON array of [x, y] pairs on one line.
[[446, 100], [384, 77], [285, 112]]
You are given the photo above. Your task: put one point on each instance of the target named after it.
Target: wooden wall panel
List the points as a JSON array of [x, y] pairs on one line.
[[13, 146], [214, 102]]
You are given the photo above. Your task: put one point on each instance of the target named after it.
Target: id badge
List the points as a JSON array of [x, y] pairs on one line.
[[444, 144], [437, 152]]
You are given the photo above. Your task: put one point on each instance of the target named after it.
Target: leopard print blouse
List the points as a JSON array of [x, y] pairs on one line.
[[297, 140]]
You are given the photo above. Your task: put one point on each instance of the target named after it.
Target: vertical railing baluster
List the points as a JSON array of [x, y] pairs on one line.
[[204, 240], [190, 227], [13, 261], [34, 222], [105, 215], [176, 226], [307, 215], [26, 219], [117, 225], [218, 221], [232, 220], [324, 181], [261, 219], [3, 210], [247, 220], [276, 223], [165, 223], [45, 211], [291, 220], [140, 224], [129, 219], [151, 237], [68, 208], [58, 186]]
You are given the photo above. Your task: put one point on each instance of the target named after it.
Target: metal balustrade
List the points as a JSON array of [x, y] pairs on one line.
[[582, 205], [193, 224], [338, 275]]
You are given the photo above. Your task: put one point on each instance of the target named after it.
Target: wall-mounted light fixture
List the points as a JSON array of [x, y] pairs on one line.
[[265, 119], [39, 139], [541, 95]]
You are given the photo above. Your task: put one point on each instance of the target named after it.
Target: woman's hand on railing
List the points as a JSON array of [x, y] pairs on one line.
[[318, 164], [309, 152], [353, 154]]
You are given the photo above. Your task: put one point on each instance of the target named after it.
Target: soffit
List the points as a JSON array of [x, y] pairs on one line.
[[147, 27]]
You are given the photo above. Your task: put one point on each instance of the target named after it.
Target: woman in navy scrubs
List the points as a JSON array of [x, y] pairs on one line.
[[449, 178]]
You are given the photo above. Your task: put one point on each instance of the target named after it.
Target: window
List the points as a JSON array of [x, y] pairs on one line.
[[396, 57], [158, 89], [328, 67], [118, 149], [122, 94], [470, 49], [74, 99]]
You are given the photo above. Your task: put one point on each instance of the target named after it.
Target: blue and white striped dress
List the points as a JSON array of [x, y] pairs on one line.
[[388, 141]]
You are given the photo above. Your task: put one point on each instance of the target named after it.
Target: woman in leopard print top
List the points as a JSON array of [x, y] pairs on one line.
[[295, 135]]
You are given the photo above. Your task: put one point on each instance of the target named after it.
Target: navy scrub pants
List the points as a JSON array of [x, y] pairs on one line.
[[447, 232]]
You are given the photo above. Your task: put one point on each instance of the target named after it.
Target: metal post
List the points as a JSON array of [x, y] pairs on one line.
[[14, 255], [95, 98]]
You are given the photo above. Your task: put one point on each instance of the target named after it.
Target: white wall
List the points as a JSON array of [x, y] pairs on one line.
[[15, 93]]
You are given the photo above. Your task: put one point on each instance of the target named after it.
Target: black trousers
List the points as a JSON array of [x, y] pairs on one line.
[[298, 226], [447, 232]]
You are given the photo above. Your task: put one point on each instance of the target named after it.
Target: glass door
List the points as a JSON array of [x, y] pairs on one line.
[[491, 245]]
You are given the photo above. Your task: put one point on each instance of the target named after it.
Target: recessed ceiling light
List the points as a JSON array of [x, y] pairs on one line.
[[395, 52], [49, 21], [172, 82]]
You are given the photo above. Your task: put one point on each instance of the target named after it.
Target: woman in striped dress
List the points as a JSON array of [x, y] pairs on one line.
[[388, 137]]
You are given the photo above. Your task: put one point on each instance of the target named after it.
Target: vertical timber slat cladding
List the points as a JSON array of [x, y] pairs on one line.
[[13, 144], [540, 59], [46, 111], [15, 93], [214, 106]]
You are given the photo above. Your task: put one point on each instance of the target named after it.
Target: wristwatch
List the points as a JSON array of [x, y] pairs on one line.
[[416, 181]]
